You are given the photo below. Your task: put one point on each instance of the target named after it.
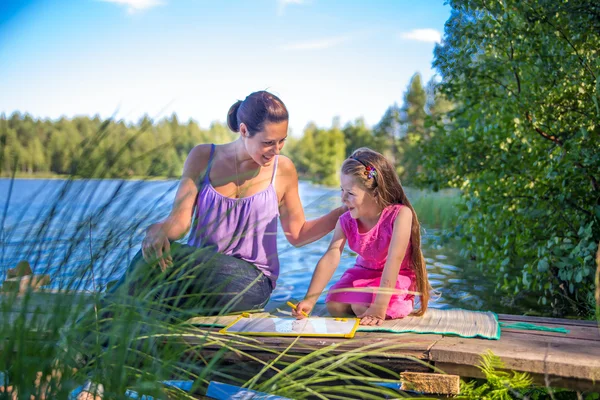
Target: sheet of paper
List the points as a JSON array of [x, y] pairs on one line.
[[307, 326]]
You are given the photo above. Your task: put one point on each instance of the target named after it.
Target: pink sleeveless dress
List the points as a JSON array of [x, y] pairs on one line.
[[372, 249]]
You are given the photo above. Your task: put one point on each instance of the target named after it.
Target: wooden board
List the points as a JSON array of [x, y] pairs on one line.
[[566, 360], [545, 320], [525, 352]]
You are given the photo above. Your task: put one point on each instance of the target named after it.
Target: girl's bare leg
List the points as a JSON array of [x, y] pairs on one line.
[[337, 309], [359, 309]]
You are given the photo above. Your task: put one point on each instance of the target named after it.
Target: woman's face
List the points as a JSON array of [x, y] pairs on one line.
[[266, 144], [359, 201]]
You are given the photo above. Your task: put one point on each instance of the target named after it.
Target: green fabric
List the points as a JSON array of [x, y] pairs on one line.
[[453, 321], [526, 326]]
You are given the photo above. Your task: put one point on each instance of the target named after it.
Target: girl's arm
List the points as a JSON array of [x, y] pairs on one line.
[[297, 229], [323, 273], [396, 253]]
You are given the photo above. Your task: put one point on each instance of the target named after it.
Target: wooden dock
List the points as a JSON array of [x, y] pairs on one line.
[[553, 359]]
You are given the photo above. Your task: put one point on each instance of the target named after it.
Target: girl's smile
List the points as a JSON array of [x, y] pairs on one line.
[[361, 204]]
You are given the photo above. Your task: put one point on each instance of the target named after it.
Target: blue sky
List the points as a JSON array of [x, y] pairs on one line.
[[324, 58]]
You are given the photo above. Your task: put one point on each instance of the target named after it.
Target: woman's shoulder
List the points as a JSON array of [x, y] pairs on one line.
[[197, 160], [285, 164], [201, 151], [286, 172]]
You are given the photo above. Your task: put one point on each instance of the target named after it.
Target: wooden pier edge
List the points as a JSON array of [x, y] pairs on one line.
[[569, 361], [545, 380]]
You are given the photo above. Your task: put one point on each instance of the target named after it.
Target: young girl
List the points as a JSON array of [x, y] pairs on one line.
[[382, 228]]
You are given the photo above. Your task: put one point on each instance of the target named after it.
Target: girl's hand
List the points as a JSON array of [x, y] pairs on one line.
[[156, 247], [372, 317], [304, 305]]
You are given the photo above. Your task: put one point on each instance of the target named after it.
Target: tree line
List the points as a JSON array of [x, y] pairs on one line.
[[92, 147], [319, 153], [96, 148]]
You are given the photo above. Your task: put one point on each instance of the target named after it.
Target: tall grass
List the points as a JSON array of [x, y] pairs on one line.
[[436, 209]]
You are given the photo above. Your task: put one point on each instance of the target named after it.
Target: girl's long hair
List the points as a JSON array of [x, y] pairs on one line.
[[387, 189]]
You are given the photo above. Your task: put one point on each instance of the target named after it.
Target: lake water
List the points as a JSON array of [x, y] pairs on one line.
[[60, 225]]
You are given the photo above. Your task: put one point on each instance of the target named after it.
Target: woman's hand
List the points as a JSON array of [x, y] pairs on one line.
[[373, 316], [156, 246], [304, 306]]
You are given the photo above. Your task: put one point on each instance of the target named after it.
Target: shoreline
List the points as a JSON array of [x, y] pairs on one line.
[[67, 177], [132, 178]]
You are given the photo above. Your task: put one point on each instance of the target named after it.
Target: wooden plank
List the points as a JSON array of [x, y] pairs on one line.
[[576, 332], [547, 321], [406, 345], [404, 355], [41, 308], [572, 359], [430, 383], [536, 354], [539, 379], [394, 362]]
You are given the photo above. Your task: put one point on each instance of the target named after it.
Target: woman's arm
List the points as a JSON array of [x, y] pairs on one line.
[[323, 273], [396, 253], [297, 229], [178, 223]]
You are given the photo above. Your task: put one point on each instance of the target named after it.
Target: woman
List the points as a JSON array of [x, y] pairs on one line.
[[234, 194], [230, 196]]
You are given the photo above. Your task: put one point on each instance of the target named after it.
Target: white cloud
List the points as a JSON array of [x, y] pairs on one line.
[[423, 35], [319, 44], [136, 5], [281, 5]]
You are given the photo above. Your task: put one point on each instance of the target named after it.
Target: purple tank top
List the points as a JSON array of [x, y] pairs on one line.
[[244, 228]]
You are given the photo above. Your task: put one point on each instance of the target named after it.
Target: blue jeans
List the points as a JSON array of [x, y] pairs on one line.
[[200, 282]]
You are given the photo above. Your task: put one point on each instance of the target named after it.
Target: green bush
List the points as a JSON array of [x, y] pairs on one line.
[[522, 144]]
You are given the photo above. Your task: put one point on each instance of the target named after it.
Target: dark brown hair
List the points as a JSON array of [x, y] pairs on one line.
[[255, 111], [387, 189]]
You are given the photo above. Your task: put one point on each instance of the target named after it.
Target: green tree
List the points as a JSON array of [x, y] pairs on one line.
[[37, 158], [438, 106], [11, 151], [414, 132], [387, 132], [327, 160], [357, 135], [304, 151], [523, 146], [415, 100]]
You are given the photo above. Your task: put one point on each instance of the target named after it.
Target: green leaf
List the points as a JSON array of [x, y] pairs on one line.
[[542, 265]]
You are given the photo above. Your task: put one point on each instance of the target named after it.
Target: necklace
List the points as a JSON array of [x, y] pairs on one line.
[[237, 182]]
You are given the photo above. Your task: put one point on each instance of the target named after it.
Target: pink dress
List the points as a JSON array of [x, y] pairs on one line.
[[372, 249]]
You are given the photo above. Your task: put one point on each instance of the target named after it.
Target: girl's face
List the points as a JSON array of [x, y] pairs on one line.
[[266, 144], [359, 201]]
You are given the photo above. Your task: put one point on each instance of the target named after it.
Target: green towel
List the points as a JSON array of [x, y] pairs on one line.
[[443, 322], [453, 321], [526, 326]]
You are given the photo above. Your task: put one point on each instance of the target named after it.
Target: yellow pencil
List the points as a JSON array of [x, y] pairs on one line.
[[289, 303]]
